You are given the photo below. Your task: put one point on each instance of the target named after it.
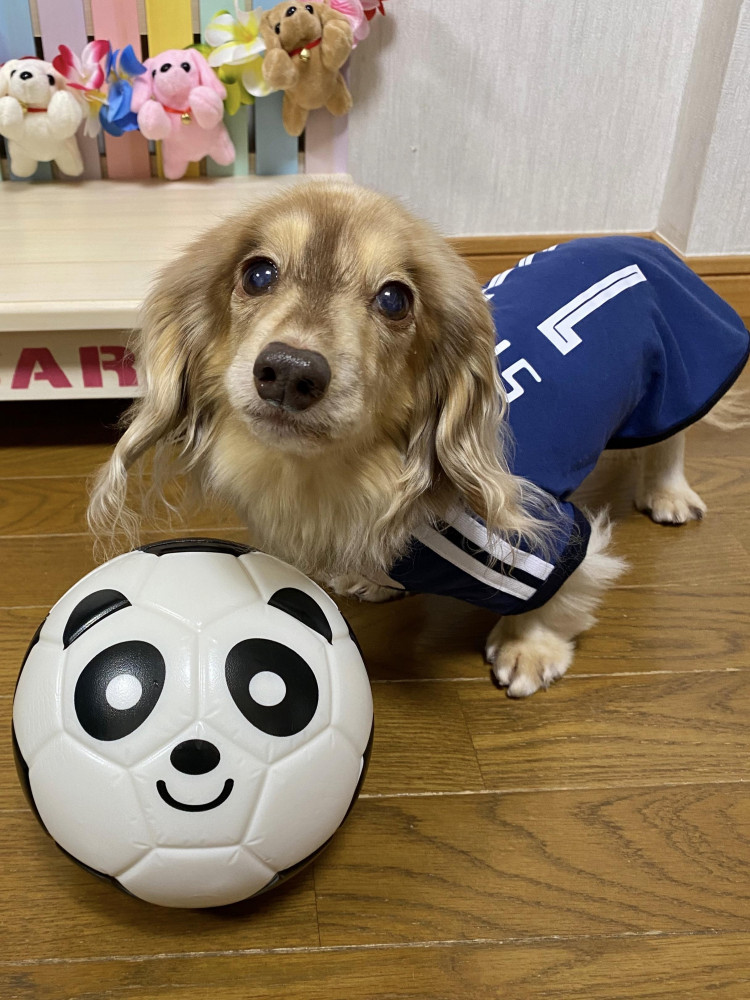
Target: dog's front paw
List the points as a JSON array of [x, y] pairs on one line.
[[523, 666], [364, 589], [676, 505]]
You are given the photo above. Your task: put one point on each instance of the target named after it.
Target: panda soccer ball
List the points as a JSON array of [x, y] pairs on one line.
[[193, 721]]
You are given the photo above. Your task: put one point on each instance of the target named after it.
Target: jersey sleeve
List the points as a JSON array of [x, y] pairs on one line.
[[457, 558]]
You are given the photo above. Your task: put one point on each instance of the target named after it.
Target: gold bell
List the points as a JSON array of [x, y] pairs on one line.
[[186, 117], [305, 55]]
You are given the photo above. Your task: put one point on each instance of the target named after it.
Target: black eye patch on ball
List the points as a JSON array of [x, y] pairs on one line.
[[136, 666], [299, 702]]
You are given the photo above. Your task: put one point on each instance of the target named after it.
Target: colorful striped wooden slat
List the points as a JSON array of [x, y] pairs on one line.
[[238, 125], [16, 40], [276, 152], [117, 21], [169, 25], [62, 22]]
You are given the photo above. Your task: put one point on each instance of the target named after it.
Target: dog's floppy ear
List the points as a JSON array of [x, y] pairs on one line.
[[458, 432], [184, 317], [267, 29]]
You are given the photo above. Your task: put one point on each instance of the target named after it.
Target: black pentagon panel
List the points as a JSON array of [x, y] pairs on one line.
[[137, 660], [34, 641], [22, 769], [172, 545], [365, 765], [354, 638], [300, 700], [301, 606], [90, 610]]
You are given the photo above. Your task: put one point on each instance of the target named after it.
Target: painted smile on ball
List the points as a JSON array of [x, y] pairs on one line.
[[161, 787]]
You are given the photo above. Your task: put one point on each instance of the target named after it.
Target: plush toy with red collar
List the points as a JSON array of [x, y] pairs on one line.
[[38, 117], [179, 100], [306, 45]]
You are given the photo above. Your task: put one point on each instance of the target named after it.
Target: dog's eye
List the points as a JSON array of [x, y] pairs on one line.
[[259, 275], [277, 29], [165, 67], [308, 8], [290, 11], [51, 79], [186, 66], [394, 300]]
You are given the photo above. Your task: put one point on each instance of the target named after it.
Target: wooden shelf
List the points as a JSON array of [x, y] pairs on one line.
[[80, 255], [78, 261]]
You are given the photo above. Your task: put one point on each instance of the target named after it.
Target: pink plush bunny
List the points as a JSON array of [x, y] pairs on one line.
[[178, 99]]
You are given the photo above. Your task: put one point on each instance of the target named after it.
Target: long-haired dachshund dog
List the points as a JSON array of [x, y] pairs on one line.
[[328, 364]]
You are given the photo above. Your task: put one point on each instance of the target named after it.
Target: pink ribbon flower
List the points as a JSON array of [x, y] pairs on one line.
[[86, 76]]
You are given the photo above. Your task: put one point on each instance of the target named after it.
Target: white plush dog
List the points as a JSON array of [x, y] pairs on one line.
[[38, 117]]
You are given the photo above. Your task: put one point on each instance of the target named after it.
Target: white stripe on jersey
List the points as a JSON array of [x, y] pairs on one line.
[[476, 532], [526, 261], [463, 561], [498, 279], [558, 328]]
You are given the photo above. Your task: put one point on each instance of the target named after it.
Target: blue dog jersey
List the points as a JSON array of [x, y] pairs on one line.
[[601, 343]]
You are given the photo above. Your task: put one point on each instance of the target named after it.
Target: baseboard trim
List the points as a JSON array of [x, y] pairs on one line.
[[728, 274]]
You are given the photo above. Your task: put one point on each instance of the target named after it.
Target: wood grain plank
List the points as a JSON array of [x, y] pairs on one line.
[[41, 507], [702, 553], [698, 967], [538, 863], [54, 909], [613, 731], [679, 629]]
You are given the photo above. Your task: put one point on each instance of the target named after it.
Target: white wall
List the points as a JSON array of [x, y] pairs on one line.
[[526, 116], [721, 221]]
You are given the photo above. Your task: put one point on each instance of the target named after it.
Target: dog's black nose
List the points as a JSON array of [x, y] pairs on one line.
[[290, 377], [195, 757], [26, 75]]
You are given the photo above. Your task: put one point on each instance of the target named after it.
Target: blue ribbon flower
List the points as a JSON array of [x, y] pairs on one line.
[[116, 116]]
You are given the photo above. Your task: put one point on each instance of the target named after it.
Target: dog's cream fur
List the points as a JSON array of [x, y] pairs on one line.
[[411, 421]]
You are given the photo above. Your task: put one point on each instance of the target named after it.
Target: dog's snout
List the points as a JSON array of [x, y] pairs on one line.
[[290, 377], [195, 757]]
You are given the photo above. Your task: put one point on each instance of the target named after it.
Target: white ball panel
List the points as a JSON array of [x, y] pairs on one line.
[[212, 877], [351, 695], [224, 823], [199, 587], [271, 574], [36, 707], [217, 706], [177, 704], [126, 573], [89, 806], [304, 800]]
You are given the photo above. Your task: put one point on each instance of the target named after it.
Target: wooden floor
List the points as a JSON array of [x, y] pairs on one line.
[[590, 842]]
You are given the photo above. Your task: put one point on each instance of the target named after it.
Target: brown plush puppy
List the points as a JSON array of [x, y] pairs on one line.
[[306, 45]]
